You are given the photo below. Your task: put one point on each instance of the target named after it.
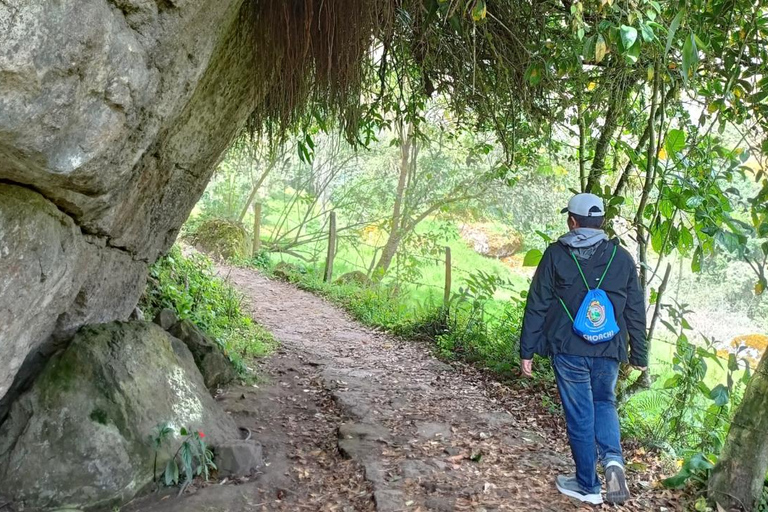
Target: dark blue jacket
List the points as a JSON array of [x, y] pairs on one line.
[[547, 330]]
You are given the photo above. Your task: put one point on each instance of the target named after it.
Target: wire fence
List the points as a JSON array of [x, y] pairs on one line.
[[450, 269]]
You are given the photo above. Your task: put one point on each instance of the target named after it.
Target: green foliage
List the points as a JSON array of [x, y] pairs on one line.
[[683, 416], [481, 330], [188, 286], [532, 258], [191, 459]]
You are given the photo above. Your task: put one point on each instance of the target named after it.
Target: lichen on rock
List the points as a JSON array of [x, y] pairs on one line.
[[80, 437]]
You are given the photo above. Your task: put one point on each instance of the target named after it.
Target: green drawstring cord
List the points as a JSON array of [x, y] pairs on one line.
[[566, 310]]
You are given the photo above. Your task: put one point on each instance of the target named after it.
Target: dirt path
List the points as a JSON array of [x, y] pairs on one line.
[[352, 419]]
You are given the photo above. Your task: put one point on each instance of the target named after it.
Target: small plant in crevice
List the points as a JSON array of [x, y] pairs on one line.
[[191, 459]]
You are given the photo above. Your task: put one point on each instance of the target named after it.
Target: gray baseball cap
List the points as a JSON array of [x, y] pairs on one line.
[[586, 205]]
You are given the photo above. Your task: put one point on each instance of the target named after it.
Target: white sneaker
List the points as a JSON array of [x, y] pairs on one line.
[[616, 483], [570, 487]]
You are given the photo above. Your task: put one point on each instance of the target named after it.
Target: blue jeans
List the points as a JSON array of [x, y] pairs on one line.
[[586, 386]]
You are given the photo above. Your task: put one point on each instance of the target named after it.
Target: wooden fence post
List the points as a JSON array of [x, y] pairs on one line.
[[447, 292], [331, 249], [256, 229]]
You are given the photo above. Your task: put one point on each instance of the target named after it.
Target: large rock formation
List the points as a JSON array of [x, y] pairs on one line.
[[81, 436], [113, 114]]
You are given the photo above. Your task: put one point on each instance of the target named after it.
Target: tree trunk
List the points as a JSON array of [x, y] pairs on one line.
[[387, 255], [255, 190], [256, 246], [395, 228], [606, 136], [650, 173], [582, 145], [624, 178], [739, 476]]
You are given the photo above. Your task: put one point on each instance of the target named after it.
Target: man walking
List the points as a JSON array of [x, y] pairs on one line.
[[585, 332]]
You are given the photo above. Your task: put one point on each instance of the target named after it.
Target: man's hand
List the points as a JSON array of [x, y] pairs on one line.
[[526, 366]]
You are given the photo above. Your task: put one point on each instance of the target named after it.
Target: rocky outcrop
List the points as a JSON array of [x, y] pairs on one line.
[[81, 436], [210, 357], [54, 279], [113, 114], [486, 241]]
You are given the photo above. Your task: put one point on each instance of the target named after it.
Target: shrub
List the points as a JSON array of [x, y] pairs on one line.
[[221, 238], [188, 286]]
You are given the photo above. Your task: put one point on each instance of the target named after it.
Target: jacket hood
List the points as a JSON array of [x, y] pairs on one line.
[[583, 242]]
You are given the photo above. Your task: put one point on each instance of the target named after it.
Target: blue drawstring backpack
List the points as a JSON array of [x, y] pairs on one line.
[[595, 320]]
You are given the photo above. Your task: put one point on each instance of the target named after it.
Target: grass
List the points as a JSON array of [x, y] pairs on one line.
[[188, 286], [421, 275]]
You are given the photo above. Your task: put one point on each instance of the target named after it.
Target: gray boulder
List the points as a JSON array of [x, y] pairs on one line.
[[80, 437], [215, 366], [113, 115], [166, 318], [239, 458]]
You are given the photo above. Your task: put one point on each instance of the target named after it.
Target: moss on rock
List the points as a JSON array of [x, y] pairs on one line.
[[221, 239]]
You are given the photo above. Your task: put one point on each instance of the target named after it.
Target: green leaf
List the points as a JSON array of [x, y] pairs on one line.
[[675, 141], [696, 260], [633, 53], [672, 381], [694, 201], [730, 241], [698, 462], [677, 481], [532, 258], [685, 242], [758, 96], [534, 74], [187, 459], [628, 36], [588, 51], [673, 29], [479, 10], [600, 48], [690, 57], [666, 208], [618, 200], [647, 33], [183, 432], [733, 363], [171, 473], [720, 395]]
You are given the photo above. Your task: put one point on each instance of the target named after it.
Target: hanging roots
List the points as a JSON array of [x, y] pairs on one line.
[[311, 52], [315, 58]]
